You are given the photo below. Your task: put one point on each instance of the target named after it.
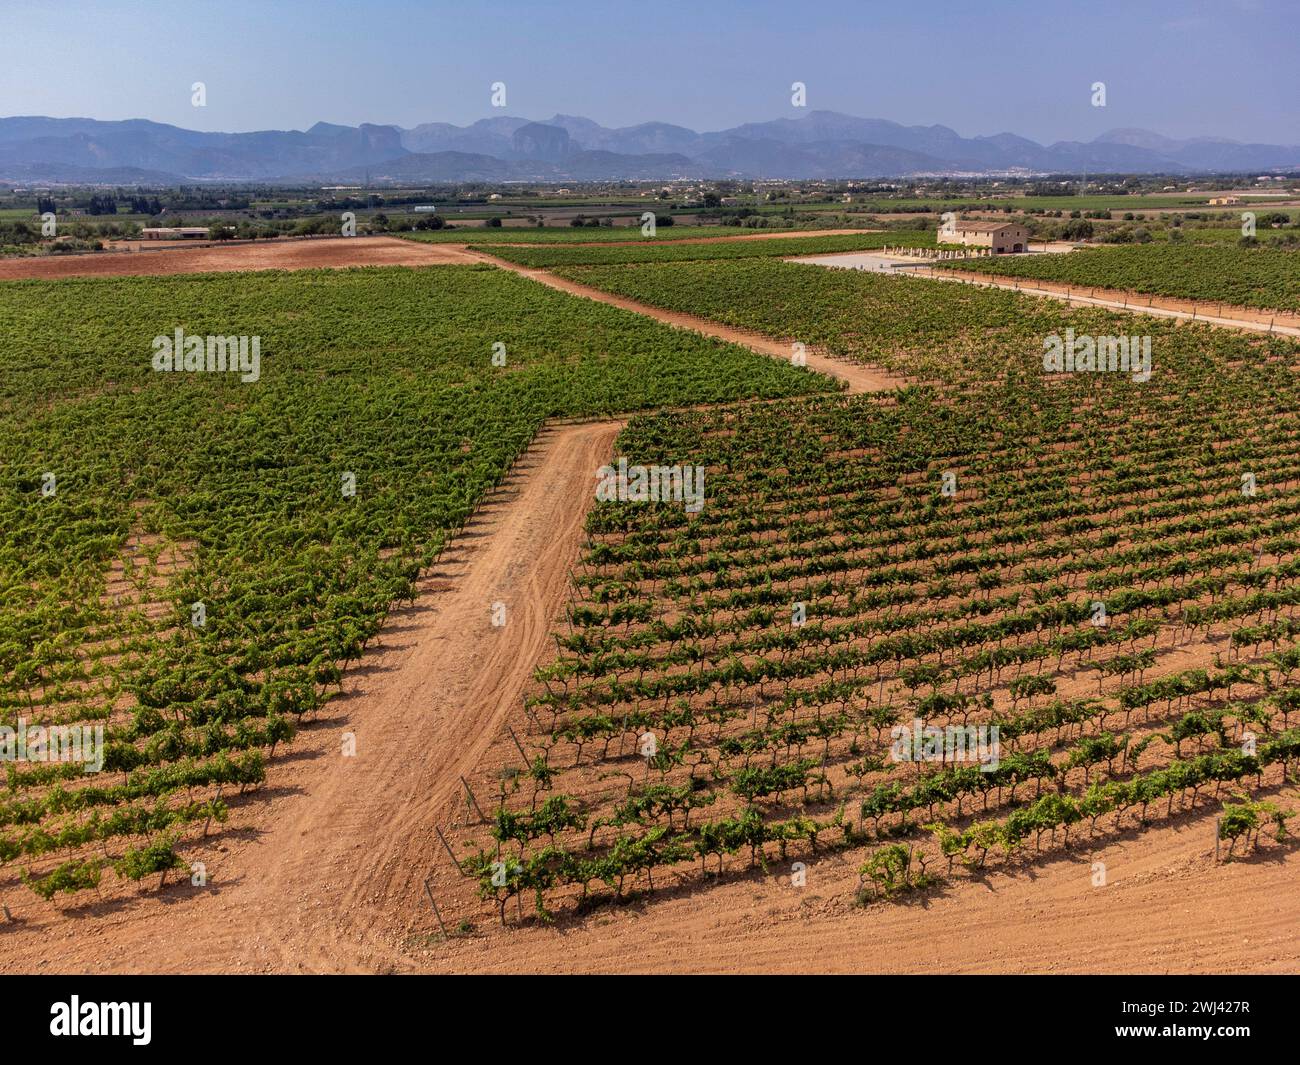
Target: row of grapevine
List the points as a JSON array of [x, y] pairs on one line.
[[987, 548]]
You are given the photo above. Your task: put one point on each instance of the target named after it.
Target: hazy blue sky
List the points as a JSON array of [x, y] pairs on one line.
[[1225, 68]]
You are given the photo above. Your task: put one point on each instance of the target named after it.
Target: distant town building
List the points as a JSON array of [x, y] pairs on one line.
[[1000, 236], [176, 233]]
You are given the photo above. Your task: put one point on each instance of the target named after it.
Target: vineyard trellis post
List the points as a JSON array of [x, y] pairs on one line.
[[429, 891], [450, 853], [471, 800], [520, 746]]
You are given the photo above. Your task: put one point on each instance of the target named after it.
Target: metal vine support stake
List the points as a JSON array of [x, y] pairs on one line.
[[429, 891], [450, 853], [522, 752], [1218, 822], [469, 795]]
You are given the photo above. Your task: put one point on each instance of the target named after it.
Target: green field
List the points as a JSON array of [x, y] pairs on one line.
[[574, 234], [382, 374], [1266, 278], [900, 323], [1170, 201], [741, 249], [1218, 235], [773, 736]]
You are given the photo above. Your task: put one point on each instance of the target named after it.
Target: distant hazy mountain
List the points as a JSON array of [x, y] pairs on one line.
[[63, 174], [441, 167], [30, 143], [820, 144]]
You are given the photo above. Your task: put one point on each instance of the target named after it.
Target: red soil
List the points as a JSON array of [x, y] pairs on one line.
[[327, 252]]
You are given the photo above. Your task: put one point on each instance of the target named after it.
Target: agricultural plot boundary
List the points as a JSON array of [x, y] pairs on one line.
[[1222, 315], [859, 377]]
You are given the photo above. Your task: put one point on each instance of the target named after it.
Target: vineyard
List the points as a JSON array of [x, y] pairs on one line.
[[1102, 575], [899, 323], [1267, 278], [743, 249], [191, 561], [570, 234], [1088, 584]]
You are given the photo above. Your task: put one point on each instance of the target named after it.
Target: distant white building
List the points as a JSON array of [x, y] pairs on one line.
[[175, 233]]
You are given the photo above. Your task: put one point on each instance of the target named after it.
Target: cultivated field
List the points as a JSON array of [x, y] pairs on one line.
[[1097, 583], [344, 459], [680, 251], [1266, 278], [433, 669]]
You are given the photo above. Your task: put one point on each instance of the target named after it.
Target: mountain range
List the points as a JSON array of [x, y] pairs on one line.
[[821, 144]]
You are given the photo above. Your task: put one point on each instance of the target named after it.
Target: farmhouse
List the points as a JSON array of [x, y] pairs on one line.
[[1000, 236], [1224, 201], [176, 233]]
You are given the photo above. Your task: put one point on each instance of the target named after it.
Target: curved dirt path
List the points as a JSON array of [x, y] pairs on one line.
[[366, 830], [332, 862], [859, 376]]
